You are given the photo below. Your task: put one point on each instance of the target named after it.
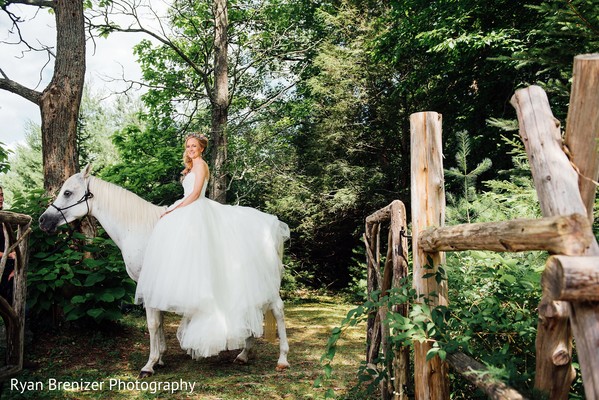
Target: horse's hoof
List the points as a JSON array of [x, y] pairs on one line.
[[159, 365], [240, 361], [144, 374], [282, 367]]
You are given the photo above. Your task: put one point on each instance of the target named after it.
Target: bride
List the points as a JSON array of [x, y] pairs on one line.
[[215, 264]]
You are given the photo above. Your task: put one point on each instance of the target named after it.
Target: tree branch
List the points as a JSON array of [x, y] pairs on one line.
[[16, 88], [582, 18], [38, 3], [131, 11], [16, 30]]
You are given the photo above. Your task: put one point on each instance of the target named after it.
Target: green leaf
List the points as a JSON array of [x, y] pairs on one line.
[[74, 315], [318, 382], [432, 353], [50, 277], [328, 370], [78, 299], [94, 278], [95, 312], [107, 297], [117, 292], [92, 263], [442, 354]]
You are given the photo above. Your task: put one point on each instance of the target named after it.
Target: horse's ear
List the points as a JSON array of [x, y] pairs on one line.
[[87, 170]]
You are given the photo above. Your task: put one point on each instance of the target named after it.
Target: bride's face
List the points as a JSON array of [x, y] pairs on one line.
[[193, 148]]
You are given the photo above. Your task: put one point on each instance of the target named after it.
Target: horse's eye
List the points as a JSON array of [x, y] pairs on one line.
[[67, 193]]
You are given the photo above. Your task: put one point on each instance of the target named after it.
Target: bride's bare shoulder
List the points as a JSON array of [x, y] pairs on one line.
[[201, 169], [205, 167]]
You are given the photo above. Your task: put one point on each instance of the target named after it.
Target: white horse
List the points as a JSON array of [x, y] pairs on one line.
[[129, 221]]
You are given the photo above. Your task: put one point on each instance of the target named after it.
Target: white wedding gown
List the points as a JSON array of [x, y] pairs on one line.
[[217, 265]]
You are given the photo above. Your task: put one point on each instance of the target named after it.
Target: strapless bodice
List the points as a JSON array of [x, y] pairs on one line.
[[188, 182]]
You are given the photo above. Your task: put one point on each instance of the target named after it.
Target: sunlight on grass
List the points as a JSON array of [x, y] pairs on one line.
[[112, 361]]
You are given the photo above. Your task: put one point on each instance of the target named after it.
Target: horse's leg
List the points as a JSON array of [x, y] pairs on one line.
[[154, 320], [162, 340], [282, 364], [277, 310], [244, 356]]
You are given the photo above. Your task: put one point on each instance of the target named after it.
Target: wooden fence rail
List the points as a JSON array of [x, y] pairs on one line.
[[568, 235], [565, 178], [475, 372]]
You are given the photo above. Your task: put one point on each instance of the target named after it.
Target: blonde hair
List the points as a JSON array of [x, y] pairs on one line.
[[187, 161]]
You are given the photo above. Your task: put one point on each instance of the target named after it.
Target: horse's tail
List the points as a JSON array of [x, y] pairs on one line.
[[270, 322], [283, 236]]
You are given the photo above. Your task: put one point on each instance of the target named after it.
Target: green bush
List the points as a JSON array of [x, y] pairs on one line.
[[491, 316]]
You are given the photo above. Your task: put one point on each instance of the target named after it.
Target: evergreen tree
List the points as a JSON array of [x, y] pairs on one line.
[[466, 178]]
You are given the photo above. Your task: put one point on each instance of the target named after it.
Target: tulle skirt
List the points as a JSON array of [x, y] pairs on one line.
[[217, 265]]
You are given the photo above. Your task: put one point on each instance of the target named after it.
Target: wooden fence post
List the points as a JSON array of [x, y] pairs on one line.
[[12, 311], [428, 210], [582, 126], [556, 183], [399, 243], [397, 359]]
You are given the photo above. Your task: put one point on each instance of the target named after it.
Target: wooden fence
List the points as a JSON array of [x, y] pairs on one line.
[[395, 269], [16, 232], [564, 172]]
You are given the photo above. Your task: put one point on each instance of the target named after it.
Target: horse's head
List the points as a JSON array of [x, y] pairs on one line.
[[71, 203]]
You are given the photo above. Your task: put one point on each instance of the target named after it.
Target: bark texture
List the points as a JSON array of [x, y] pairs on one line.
[[60, 101], [220, 103]]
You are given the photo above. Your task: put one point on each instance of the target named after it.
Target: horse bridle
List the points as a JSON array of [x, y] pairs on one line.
[[86, 196]]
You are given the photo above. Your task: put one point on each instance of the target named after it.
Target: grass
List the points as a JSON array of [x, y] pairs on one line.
[[117, 354]]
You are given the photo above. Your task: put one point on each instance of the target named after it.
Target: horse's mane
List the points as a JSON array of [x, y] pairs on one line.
[[126, 207]]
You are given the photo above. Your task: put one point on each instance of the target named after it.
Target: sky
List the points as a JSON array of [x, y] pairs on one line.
[[106, 64]]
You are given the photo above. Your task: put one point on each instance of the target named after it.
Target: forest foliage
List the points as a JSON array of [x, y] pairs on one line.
[[319, 136], [331, 144]]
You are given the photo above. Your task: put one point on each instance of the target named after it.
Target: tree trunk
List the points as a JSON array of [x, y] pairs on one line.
[[220, 103], [60, 101]]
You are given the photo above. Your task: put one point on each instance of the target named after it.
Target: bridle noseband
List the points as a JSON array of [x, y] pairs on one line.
[[86, 196]]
